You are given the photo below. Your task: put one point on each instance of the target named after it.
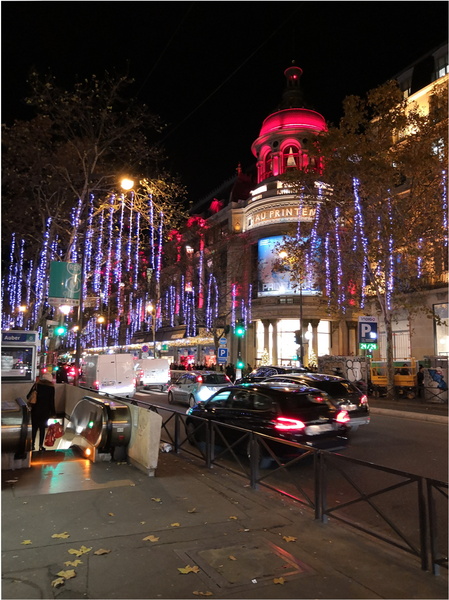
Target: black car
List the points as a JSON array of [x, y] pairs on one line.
[[262, 372], [342, 393], [285, 411]]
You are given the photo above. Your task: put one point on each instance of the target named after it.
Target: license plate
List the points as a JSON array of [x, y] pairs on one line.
[[349, 406], [316, 429]]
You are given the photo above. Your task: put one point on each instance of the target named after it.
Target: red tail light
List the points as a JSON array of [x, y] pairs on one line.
[[284, 424], [96, 385], [364, 400], [199, 379], [343, 417]]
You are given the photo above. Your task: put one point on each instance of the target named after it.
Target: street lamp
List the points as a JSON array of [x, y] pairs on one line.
[[299, 338], [152, 311]]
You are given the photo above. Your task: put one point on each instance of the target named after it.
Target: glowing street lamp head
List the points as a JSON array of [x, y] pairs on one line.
[[127, 184], [65, 309]]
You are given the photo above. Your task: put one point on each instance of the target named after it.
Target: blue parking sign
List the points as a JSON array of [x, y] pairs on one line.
[[222, 353]]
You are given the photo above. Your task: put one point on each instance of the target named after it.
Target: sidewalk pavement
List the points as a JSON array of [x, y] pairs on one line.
[[121, 534]]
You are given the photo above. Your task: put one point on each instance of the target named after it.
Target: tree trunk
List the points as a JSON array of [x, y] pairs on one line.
[[390, 365]]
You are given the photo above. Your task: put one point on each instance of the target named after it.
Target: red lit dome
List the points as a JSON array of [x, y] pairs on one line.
[[291, 121]]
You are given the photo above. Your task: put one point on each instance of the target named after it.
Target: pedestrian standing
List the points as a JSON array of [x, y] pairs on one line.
[[43, 409], [420, 381], [61, 374]]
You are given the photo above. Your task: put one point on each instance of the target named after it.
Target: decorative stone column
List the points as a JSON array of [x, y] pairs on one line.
[[352, 338], [266, 335], [274, 339], [314, 323]]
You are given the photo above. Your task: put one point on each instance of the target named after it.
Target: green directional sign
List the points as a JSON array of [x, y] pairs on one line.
[[65, 283]]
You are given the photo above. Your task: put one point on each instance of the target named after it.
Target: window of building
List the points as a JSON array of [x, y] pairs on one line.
[[324, 338], [441, 329], [441, 67]]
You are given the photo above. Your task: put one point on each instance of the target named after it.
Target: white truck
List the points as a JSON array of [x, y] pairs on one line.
[[153, 372], [109, 374]]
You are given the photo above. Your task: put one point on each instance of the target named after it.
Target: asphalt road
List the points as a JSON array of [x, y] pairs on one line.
[[412, 445]]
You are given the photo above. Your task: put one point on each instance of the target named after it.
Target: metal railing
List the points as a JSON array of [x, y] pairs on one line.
[[406, 511]]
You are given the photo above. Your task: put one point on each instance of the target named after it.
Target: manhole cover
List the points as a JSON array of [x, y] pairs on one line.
[[240, 565]]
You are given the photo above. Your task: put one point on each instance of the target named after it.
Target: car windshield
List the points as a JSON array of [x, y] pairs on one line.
[[215, 379]]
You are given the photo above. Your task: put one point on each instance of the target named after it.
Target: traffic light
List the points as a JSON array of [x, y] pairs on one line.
[[239, 329], [298, 339], [239, 364], [60, 330]]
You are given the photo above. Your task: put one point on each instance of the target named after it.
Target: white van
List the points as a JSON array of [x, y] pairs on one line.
[[109, 374], [153, 372]]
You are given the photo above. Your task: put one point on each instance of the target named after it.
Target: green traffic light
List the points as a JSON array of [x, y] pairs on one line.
[[239, 330], [240, 364], [60, 330]]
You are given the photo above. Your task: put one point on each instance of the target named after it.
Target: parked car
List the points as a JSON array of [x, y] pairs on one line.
[[196, 386], [342, 393], [262, 372], [286, 411]]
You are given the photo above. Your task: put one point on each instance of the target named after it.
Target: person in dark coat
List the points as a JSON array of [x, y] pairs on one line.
[[61, 374], [44, 408]]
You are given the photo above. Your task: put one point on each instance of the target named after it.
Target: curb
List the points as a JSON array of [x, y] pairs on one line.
[[410, 415]]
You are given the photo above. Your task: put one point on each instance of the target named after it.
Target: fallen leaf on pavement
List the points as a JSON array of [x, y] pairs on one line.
[[63, 536], [202, 593], [58, 582], [101, 551], [111, 515], [82, 550], [26, 542], [235, 518], [73, 563], [156, 499], [150, 538], [188, 569], [289, 538], [67, 574], [192, 510], [174, 525], [280, 580], [231, 557]]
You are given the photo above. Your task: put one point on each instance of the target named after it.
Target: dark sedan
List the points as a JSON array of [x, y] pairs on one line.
[[285, 411], [264, 371], [342, 393]]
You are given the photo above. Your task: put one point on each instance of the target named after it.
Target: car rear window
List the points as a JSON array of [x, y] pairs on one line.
[[215, 379], [335, 388]]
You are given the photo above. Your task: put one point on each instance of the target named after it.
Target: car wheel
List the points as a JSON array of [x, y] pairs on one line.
[[190, 429], [171, 400], [191, 401]]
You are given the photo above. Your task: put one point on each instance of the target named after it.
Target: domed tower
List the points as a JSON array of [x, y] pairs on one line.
[[286, 134]]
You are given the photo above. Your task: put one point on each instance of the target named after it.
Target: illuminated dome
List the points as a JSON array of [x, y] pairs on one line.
[[291, 121], [285, 136]]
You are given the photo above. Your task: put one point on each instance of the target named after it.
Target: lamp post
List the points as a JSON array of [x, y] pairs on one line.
[[152, 311]]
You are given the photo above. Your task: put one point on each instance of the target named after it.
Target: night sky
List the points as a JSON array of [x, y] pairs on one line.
[[214, 71]]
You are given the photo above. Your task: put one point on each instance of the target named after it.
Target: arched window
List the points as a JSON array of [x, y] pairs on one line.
[[290, 158], [268, 166]]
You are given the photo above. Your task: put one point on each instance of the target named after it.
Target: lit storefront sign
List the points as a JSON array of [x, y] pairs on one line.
[[279, 212]]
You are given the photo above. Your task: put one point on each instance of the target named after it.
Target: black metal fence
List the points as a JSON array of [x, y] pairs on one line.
[[407, 511]]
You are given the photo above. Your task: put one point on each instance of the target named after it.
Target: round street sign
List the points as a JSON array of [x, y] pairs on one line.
[[145, 348]]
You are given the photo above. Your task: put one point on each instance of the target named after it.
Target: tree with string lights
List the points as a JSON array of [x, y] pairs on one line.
[[380, 231], [61, 169]]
